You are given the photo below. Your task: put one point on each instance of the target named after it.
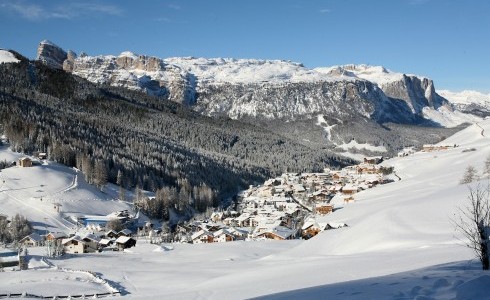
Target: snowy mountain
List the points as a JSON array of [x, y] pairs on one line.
[[267, 89], [471, 102], [50, 54], [7, 57]]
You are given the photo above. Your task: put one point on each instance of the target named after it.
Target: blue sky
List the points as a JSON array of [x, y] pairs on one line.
[[446, 40]]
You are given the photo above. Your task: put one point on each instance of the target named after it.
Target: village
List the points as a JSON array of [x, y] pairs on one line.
[[282, 208], [286, 207]]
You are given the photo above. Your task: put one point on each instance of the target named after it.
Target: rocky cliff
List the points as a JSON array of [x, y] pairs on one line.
[[51, 55], [264, 89]]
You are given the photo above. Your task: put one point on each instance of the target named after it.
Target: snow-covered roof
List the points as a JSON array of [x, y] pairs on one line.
[[126, 231], [200, 233], [281, 231], [34, 237], [105, 241], [73, 238], [91, 237], [350, 187], [57, 235], [123, 239], [242, 217]]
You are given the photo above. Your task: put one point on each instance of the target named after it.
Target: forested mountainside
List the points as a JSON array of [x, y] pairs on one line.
[[151, 143]]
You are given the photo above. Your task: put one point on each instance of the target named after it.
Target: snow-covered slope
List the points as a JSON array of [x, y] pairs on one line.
[[377, 74], [469, 101], [248, 71], [7, 57], [400, 243], [33, 192], [466, 97]]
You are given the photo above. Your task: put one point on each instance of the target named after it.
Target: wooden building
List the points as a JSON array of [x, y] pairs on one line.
[[25, 162]]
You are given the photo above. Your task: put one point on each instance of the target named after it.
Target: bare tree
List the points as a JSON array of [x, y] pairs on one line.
[[469, 176], [486, 167], [114, 224], [474, 222], [100, 174]]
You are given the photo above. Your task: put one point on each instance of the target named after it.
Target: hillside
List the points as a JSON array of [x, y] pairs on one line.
[[37, 191], [152, 143], [400, 243]]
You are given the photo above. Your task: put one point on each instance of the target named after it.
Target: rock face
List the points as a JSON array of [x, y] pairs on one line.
[[263, 89], [418, 92], [69, 62], [137, 72], [51, 55]]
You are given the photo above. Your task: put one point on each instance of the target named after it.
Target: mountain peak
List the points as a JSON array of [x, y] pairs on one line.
[[48, 42], [129, 54], [50, 54]]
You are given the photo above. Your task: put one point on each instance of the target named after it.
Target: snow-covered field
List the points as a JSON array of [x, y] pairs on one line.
[[36, 192], [400, 243]]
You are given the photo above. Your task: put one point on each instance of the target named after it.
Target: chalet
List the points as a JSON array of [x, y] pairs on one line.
[[9, 258], [299, 189], [320, 196], [338, 177], [279, 233], [243, 220], [124, 242], [111, 234], [55, 236], [74, 245], [311, 229], [292, 210], [229, 221], [222, 236], [25, 162], [32, 240], [103, 243], [212, 227], [239, 233], [350, 189], [124, 232], [91, 243], [42, 155], [202, 237], [324, 209], [373, 160]]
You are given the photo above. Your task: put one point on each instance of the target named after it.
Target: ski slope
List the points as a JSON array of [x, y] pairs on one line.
[[400, 243], [36, 191]]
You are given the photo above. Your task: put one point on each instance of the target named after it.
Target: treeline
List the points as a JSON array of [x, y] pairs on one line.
[[188, 200], [120, 136]]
